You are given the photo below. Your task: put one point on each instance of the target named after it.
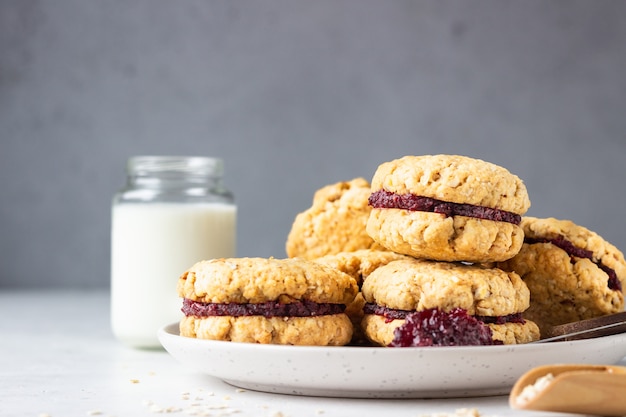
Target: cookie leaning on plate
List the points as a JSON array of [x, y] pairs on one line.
[[334, 223], [572, 273], [494, 297], [270, 301], [447, 208]]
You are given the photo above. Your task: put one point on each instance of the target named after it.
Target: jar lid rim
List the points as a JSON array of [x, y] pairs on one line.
[[168, 163]]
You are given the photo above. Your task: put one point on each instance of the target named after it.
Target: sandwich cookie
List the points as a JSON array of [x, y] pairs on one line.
[[334, 223], [447, 208], [572, 273], [270, 301], [397, 291]]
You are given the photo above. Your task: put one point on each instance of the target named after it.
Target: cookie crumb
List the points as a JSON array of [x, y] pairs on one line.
[[460, 412], [94, 412], [134, 381], [157, 409]]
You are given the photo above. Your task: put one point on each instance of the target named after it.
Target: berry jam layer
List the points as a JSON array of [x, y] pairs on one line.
[[382, 199], [573, 251], [434, 327], [268, 309], [393, 314]]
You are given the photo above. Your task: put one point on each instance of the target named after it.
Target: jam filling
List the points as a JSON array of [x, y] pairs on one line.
[[302, 308], [573, 251], [394, 314], [434, 327], [382, 199]]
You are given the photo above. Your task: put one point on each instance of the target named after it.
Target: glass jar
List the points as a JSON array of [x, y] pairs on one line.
[[172, 213]]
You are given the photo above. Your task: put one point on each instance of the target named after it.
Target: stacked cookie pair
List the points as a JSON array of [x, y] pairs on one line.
[[417, 240], [292, 301], [573, 274], [267, 301], [455, 217]]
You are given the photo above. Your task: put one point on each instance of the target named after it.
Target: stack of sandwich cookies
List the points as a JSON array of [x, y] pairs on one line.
[[448, 213], [436, 252], [492, 296], [269, 301], [334, 223], [447, 208], [573, 274]]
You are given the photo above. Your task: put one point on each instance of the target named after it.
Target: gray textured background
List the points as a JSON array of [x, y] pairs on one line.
[[294, 95]]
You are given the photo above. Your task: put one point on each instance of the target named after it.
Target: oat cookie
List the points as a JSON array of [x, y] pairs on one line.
[[334, 223], [572, 273], [447, 208], [454, 178], [258, 280], [420, 284], [490, 294], [359, 264], [331, 330], [286, 301]]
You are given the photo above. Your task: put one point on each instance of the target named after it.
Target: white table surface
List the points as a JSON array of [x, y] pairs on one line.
[[60, 359]]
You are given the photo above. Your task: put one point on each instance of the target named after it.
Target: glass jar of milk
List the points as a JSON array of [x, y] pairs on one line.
[[172, 213]]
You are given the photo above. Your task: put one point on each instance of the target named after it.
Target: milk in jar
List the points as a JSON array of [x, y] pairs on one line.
[[173, 213]]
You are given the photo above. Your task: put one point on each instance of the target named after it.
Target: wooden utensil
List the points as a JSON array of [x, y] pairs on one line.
[[579, 389]]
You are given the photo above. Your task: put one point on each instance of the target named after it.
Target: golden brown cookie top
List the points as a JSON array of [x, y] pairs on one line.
[[258, 280], [419, 285], [334, 223], [359, 264], [602, 251], [455, 179]]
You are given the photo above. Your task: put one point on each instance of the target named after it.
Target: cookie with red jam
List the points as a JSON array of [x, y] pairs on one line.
[[493, 298], [269, 301], [334, 223], [447, 208], [572, 273]]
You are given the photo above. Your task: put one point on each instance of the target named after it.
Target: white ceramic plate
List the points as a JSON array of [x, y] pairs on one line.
[[377, 372]]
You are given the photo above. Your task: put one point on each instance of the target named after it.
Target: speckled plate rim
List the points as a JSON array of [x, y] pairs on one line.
[[377, 372]]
